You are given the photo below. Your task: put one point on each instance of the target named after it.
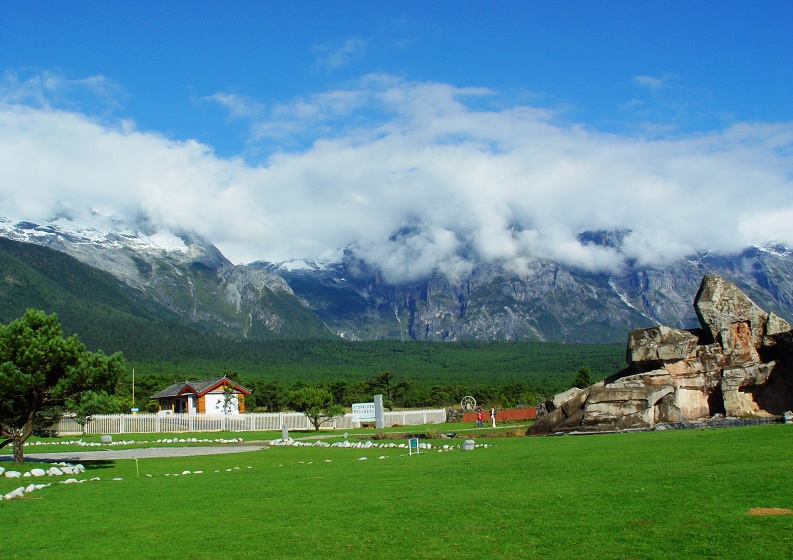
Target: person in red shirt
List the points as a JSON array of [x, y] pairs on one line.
[[479, 417]]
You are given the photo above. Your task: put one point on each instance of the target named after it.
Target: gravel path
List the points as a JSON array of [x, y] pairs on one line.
[[142, 453]]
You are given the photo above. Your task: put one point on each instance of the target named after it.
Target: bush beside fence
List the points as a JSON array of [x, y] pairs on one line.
[[254, 422]]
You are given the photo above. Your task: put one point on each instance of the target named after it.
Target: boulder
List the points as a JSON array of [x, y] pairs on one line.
[[776, 325], [739, 363], [549, 422], [18, 493], [561, 398], [576, 402], [617, 408], [660, 344], [720, 304], [667, 411], [571, 422]]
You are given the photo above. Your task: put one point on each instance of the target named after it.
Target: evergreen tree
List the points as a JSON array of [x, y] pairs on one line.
[[41, 372], [583, 378]]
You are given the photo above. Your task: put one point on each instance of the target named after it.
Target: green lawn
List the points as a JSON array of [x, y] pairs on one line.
[[681, 494]]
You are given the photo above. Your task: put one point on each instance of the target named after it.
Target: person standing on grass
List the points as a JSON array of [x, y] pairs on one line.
[[493, 416], [479, 417]]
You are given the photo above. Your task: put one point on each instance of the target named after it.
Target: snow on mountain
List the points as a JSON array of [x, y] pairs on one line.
[[115, 235], [774, 249], [292, 265], [349, 297], [181, 271], [142, 260]]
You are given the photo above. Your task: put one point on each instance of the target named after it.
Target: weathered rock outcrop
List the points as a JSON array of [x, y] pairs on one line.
[[739, 363]]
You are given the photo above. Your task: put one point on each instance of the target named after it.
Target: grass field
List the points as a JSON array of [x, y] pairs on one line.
[[682, 494]]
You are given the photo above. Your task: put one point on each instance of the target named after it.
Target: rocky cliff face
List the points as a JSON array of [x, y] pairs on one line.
[[738, 363], [545, 301]]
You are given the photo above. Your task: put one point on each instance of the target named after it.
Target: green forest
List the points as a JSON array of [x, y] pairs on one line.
[[408, 374]]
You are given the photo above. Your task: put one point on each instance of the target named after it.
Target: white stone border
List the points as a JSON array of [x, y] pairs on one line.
[[368, 445], [62, 468], [57, 469], [81, 443]]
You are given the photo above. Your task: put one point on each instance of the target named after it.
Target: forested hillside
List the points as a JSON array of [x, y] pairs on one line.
[[418, 373], [104, 313]]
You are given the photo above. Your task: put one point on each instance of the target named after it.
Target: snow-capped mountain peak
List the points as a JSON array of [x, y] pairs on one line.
[[108, 232], [351, 298]]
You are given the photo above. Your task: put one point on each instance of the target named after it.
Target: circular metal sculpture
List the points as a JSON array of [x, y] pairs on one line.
[[468, 403]]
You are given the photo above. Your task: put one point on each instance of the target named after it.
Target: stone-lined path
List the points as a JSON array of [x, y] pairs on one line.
[[140, 453]]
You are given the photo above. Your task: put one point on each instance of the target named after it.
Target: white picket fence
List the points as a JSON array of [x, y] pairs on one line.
[[173, 423]]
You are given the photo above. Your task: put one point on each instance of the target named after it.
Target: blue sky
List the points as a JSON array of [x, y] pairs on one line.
[[324, 124], [706, 64]]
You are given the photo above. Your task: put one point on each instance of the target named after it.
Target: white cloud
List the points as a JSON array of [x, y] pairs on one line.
[[415, 176], [238, 106], [51, 89], [666, 104], [651, 82], [333, 58]]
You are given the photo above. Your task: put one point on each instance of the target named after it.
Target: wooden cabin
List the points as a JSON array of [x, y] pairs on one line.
[[209, 396]]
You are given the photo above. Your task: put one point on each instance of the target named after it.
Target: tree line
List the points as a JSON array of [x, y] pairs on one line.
[[274, 395]]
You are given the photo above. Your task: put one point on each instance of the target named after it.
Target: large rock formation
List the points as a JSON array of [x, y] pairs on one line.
[[740, 363]]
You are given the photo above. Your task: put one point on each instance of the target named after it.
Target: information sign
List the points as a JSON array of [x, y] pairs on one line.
[[363, 412]]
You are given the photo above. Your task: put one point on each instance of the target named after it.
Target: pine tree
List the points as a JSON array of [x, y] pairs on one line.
[[40, 372], [583, 378]]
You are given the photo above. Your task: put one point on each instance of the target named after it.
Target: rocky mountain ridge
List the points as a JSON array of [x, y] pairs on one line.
[[349, 298], [184, 273]]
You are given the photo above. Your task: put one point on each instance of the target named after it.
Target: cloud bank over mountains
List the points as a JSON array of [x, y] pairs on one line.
[[414, 175]]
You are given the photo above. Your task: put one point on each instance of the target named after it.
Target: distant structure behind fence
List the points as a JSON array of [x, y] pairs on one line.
[[254, 422]]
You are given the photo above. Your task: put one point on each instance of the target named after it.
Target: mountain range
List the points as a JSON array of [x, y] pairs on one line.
[[185, 280]]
